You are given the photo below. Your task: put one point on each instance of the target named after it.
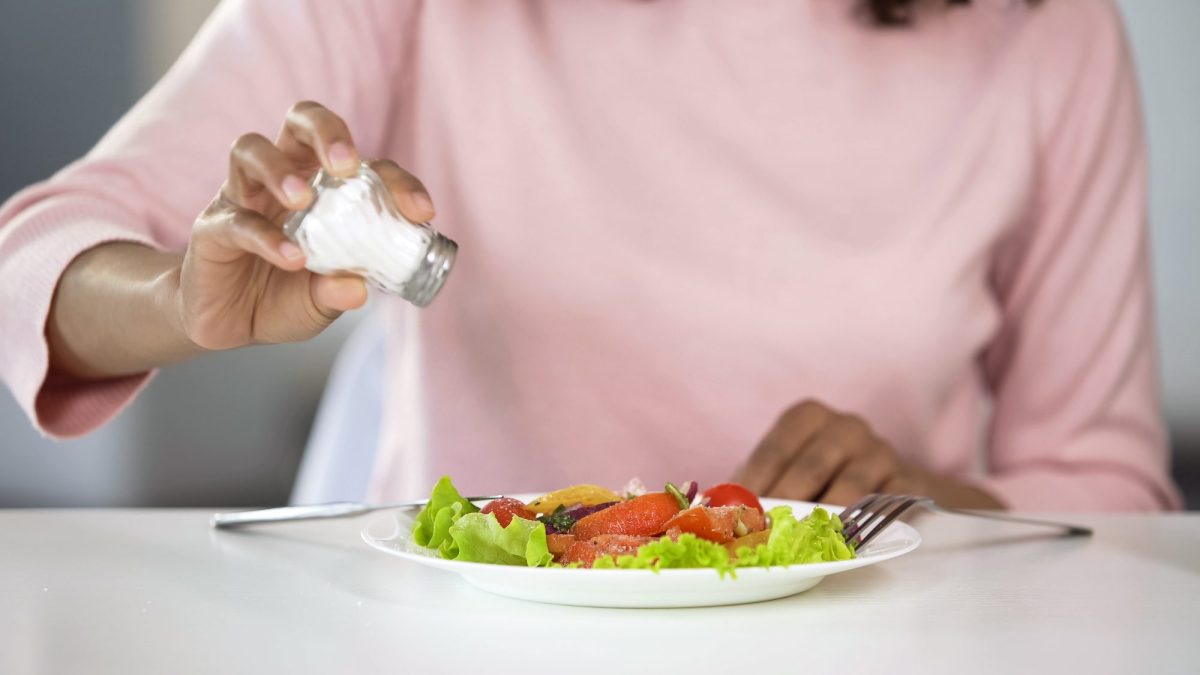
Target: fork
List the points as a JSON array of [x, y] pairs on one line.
[[873, 513]]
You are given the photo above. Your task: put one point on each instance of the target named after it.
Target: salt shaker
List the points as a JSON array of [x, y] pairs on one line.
[[353, 226]]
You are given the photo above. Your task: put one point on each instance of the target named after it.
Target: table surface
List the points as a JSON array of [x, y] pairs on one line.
[[157, 591]]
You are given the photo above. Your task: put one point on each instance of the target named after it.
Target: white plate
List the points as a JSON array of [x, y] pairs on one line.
[[391, 532]]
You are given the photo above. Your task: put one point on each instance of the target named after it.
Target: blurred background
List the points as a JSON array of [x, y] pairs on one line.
[[229, 430]]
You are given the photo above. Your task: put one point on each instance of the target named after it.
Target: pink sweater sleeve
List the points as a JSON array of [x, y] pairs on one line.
[[157, 168], [1077, 422]]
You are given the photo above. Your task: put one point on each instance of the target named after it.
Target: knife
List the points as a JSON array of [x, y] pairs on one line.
[[224, 521]]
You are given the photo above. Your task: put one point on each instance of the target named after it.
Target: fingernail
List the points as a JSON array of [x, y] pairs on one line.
[[295, 189], [291, 251], [423, 201], [341, 157]]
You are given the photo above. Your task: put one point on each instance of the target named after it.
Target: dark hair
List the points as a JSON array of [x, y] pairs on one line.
[[899, 12]]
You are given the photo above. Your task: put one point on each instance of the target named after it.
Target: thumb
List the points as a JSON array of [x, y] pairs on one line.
[[333, 295]]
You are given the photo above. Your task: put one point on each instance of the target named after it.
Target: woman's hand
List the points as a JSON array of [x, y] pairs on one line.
[[242, 281], [122, 308], [814, 453]]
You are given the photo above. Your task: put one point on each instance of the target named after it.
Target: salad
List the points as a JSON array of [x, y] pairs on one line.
[[588, 526]]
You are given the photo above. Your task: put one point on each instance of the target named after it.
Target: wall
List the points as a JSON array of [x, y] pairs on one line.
[[229, 429], [1164, 35]]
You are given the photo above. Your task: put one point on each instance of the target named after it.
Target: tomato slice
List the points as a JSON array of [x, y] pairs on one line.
[[559, 543], [731, 494], [699, 521], [717, 523], [505, 508], [641, 516], [585, 553]]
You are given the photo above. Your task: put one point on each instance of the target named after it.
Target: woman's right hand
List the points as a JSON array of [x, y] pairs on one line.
[[122, 308], [242, 281]]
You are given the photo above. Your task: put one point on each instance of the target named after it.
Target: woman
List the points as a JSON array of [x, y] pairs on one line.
[[915, 257]]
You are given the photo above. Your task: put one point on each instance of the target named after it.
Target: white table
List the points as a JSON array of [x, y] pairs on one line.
[[152, 591]]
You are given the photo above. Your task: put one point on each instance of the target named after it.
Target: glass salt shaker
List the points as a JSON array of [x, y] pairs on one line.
[[353, 226]]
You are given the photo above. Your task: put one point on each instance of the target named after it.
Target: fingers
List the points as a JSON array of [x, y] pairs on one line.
[[775, 452], [818, 461], [255, 165], [267, 178], [410, 195], [313, 135], [333, 295], [907, 480], [228, 232], [244, 230], [860, 477], [814, 452]]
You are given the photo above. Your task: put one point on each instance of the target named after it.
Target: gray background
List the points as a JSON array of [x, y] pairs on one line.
[[229, 430]]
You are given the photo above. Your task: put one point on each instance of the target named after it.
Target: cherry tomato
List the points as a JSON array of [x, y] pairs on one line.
[[505, 508], [731, 494]]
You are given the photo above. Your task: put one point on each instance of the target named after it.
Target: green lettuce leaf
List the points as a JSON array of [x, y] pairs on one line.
[[478, 537], [689, 551], [432, 527], [816, 538]]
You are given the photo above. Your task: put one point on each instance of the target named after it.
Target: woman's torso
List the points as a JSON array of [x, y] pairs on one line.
[[678, 218]]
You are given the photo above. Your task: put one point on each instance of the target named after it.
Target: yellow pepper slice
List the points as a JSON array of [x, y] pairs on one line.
[[587, 495]]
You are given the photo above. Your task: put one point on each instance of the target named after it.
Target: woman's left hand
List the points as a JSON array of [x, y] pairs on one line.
[[814, 453]]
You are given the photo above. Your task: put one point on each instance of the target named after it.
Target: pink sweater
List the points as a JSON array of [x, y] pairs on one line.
[[679, 217]]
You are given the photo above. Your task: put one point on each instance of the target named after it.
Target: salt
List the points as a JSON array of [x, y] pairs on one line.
[[353, 226]]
